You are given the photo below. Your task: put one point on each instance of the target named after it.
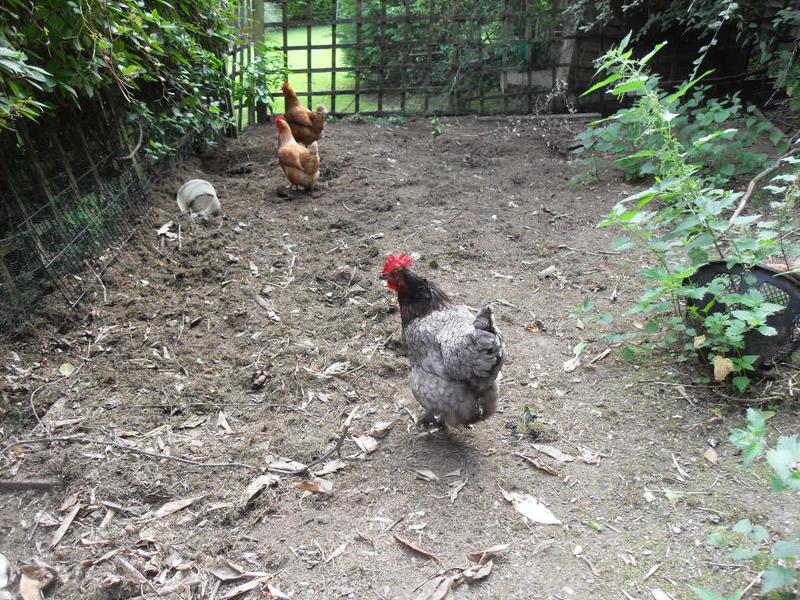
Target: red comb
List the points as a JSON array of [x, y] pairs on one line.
[[394, 263], [279, 118], [286, 85]]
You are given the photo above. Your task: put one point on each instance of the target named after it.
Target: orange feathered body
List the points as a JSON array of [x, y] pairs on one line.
[[306, 125], [300, 164]]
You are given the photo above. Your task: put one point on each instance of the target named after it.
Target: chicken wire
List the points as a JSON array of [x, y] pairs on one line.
[[86, 209]]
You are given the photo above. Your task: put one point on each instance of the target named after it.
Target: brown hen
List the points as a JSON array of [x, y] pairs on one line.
[[300, 164], [307, 125]]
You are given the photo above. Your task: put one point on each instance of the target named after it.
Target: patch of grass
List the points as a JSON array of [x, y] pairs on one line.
[[318, 59]]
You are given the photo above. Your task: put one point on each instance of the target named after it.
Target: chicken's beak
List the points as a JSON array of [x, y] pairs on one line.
[[383, 276]]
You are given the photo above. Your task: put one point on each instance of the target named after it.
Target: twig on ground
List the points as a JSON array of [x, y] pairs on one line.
[[9, 485], [751, 584], [591, 566], [123, 447], [337, 447], [100, 281]]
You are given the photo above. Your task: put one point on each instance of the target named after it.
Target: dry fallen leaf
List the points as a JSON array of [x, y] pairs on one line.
[[193, 422], [380, 429], [70, 516], [553, 452], [572, 364], [437, 588], [722, 368], [426, 474], [456, 487], [284, 465], [331, 467], [337, 552], [173, 507], [336, 368], [532, 460], [277, 593], [258, 484], [244, 588], [477, 572], [531, 508], [222, 422], [417, 549], [131, 572], [318, 485], [5, 571], [485, 555], [30, 588], [366, 443], [711, 455], [589, 456], [225, 570]]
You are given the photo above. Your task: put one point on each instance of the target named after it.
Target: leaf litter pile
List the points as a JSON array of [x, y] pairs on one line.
[[229, 415]]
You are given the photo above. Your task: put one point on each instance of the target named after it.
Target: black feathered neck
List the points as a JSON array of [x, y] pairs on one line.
[[418, 297]]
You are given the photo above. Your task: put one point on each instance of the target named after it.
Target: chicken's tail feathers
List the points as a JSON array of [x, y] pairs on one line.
[[485, 320], [322, 110], [314, 149]]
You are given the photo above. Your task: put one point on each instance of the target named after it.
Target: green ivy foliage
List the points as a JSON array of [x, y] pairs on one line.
[[163, 58]]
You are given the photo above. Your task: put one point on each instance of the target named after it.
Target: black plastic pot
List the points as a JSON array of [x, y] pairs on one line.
[[777, 288]]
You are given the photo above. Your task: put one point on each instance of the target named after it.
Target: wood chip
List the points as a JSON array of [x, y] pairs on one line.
[[711, 456]]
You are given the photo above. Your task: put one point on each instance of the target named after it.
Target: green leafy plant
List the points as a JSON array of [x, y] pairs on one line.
[[727, 154], [777, 561], [160, 63], [685, 219], [437, 126], [265, 73]]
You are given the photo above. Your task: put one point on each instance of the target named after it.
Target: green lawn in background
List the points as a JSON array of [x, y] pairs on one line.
[[298, 59]]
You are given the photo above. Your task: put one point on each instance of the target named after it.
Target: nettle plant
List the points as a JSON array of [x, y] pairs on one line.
[[775, 559], [731, 154], [684, 220]]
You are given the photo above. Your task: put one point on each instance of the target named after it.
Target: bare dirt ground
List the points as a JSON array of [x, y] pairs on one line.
[[283, 293]]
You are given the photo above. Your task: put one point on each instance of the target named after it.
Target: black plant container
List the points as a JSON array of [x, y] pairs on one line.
[[777, 287]]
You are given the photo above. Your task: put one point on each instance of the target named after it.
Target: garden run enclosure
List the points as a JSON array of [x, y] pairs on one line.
[[178, 392]]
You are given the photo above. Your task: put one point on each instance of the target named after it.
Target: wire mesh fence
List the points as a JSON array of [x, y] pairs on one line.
[[74, 194]]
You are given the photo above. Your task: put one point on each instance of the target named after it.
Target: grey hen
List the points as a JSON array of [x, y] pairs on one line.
[[455, 356]]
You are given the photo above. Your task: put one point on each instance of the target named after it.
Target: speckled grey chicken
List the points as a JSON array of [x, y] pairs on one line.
[[455, 356]]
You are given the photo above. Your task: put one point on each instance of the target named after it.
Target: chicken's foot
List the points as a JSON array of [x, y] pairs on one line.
[[431, 421]]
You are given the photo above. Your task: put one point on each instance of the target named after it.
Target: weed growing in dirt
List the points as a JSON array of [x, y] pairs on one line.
[[775, 560], [685, 220]]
